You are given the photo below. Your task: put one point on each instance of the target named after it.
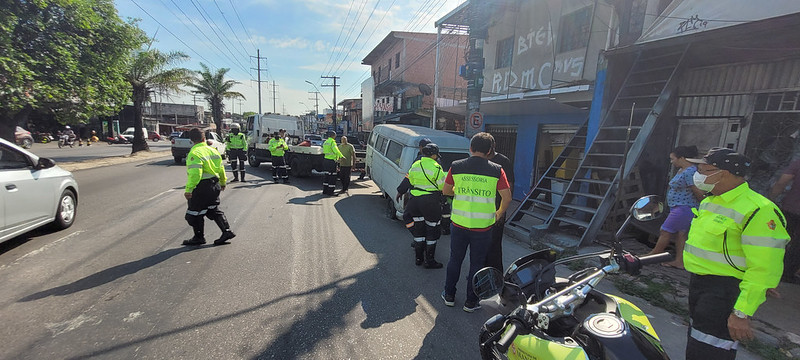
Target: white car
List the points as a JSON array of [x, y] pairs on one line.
[[35, 192]]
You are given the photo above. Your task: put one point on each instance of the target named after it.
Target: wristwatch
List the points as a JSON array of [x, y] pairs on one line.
[[740, 314]]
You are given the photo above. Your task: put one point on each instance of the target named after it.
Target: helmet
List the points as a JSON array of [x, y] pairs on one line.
[[430, 149], [66, 127], [330, 134], [424, 141], [235, 126]]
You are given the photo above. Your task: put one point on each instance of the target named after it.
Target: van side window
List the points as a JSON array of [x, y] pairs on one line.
[[394, 152], [372, 139], [381, 145]]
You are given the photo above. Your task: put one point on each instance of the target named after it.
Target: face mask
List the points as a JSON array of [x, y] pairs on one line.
[[700, 181], [235, 131]]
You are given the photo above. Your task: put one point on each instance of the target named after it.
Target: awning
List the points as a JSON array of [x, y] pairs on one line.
[[686, 17]]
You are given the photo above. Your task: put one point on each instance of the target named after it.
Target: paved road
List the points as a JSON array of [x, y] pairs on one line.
[[96, 151], [307, 277]]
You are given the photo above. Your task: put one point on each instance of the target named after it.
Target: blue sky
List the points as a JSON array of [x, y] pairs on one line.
[[301, 39]]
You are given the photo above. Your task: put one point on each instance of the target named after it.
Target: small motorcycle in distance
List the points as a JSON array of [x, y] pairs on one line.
[[119, 139], [66, 140], [555, 318]]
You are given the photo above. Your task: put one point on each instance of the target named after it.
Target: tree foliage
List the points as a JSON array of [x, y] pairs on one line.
[[66, 57], [151, 70], [214, 88]]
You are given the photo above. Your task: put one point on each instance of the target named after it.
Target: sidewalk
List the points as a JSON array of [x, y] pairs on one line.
[[113, 160], [776, 323]]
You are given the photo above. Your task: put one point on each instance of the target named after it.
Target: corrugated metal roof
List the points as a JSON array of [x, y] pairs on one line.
[[714, 106], [742, 78]]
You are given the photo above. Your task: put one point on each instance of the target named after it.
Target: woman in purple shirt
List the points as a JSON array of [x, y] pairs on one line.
[[682, 196]]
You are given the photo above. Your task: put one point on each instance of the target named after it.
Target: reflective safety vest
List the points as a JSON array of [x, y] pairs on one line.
[[475, 186], [203, 162], [740, 234], [426, 176], [236, 141], [276, 147], [330, 150]]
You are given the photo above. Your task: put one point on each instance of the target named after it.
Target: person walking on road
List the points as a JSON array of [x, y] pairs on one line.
[[332, 154], [734, 253], [423, 213], [346, 162], [205, 180], [474, 184], [277, 146], [236, 145], [494, 257]]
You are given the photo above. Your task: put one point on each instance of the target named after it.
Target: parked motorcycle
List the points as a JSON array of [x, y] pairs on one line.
[[43, 137], [119, 139], [556, 318]]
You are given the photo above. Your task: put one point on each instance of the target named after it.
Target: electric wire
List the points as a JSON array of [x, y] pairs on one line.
[[340, 54], [195, 25], [229, 26], [336, 44], [249, 37], [235, 57]]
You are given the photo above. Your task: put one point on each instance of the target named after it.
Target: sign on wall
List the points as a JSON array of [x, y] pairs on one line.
[[474, 124]]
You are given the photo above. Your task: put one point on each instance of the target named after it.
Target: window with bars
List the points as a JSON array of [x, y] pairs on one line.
[[574, 30], [505, 52], [788, 101]]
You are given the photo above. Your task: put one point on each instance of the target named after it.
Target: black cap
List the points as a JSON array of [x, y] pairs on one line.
[[330, 133], [430, 149], [424, 141], [725, 159]]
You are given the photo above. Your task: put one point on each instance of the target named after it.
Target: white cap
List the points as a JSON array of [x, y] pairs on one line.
[[234, 126]]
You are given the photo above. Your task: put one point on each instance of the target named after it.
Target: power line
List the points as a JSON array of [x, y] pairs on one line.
[[192, 22], [173, 34], [349, 33], [249, 37], [330, 55], [229, 26], [235, 58], [359, 34]]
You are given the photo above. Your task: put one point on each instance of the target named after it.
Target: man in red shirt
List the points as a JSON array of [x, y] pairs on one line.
[[474, 184]]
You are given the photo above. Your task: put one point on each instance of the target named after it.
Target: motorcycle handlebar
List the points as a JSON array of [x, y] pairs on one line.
[[631, 264], [655, 259], [511, 333]]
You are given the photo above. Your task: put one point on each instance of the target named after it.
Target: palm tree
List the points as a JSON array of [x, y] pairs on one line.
[[214, 88], [152, 70]]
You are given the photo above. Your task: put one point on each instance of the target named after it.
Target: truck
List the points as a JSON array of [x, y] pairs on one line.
[[301, 159], [182, 144]]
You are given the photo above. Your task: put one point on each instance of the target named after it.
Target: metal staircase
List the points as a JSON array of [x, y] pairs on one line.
[[538, 206], [627, 125]]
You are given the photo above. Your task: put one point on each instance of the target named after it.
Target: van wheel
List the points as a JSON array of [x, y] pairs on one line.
[[391, 212], [65, 213], [253, 161]]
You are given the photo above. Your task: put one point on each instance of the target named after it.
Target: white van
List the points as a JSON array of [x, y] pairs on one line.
[[128, 133], [392, 150]]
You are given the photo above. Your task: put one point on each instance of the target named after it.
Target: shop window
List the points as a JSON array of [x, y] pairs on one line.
[[505, 52], [574, 30]]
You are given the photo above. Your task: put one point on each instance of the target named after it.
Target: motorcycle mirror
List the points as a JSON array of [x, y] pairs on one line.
[[647, 208], [487, 282]]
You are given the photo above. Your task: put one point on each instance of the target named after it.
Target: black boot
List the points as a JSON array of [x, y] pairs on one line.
[[430, 261], [197, 239], [227, 234], [241, 174], [419, 251]]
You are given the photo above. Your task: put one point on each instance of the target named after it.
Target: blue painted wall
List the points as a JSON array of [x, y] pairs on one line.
[[595, 112], [527, 133]]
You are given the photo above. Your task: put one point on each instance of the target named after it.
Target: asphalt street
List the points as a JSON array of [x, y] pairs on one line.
[[96, 151], [306, 277]]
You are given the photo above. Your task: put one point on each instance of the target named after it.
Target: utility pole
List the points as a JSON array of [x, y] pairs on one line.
[[316, 101], [478, 32], [274, 96], [334, 96], [258, 69]]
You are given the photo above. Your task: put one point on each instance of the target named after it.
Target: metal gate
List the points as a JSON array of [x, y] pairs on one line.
[[505, 137]]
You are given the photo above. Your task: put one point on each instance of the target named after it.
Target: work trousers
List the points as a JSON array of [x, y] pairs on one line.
[[791, 259], [205, 203], [711, 300], [422, 216], [279, 169], [494, 257], [344, 176], [460, 240], [234, 155], [329, 180], [447, 208]]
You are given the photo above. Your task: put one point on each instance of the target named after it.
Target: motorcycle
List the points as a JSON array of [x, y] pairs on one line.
[[66, 140], [554, 318], [119, 139], [43, 137]]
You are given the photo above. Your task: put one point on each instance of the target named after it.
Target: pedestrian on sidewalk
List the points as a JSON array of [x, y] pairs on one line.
[[474, 184], [205, 180], [682, 198], [734, 252], [423, 213], [791, 208], [494, 257], [346, 162], [332, 154]]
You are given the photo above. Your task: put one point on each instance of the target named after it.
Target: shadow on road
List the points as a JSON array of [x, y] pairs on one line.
[[110, 274]]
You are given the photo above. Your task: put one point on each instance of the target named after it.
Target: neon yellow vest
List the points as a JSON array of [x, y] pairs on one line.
[[276, 147], [473, 204], [236, 141], [426, 176], [203, 162]]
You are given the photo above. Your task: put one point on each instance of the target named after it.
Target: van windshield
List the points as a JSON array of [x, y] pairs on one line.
[[449, 157]]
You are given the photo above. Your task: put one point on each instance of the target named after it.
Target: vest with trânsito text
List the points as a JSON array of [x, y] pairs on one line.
[[475, 186]]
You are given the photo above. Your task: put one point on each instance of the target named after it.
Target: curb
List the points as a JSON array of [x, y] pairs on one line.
[[113, 160]]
